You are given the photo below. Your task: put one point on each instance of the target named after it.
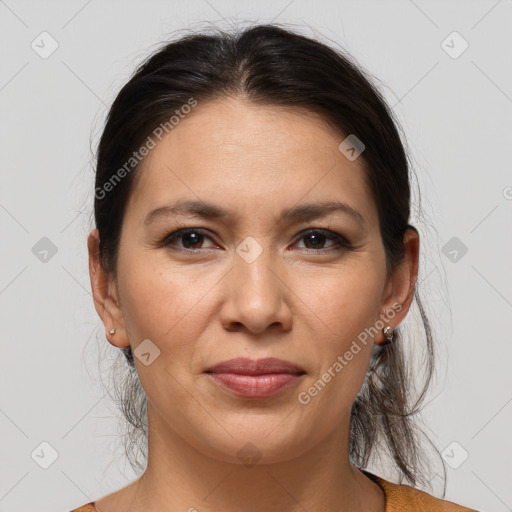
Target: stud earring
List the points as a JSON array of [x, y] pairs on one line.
[[112, 331], [388, 332]]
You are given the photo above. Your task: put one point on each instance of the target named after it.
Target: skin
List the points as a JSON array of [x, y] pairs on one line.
[[207, 306]]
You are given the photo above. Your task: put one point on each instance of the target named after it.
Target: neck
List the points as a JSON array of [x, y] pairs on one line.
[[179, 477]]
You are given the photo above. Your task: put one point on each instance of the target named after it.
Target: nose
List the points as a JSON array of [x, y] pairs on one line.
[[257, 296]]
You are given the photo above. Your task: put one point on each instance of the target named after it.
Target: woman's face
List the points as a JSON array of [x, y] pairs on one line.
[[253, 282]]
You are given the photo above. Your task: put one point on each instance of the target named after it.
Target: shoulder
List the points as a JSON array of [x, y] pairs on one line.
[[89, 507], [403, 498]]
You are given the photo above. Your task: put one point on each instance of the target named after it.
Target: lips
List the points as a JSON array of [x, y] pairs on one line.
[[246, 366], [250, 379]]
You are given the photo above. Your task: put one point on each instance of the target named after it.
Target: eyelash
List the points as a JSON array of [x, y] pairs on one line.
[[342, 242]]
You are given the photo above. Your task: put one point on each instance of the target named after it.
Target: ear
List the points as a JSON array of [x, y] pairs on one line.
[[105, 295], [399, 290]]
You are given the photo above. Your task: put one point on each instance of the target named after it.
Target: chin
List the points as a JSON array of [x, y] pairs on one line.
[[255, 443]]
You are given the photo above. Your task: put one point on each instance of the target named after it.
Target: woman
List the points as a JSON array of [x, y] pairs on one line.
[[253, 259]]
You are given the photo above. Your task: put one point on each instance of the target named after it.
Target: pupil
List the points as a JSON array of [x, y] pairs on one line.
[[194, 238], [317, 239]]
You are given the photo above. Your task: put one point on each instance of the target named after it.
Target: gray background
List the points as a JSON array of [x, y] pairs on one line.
[[456, 113]]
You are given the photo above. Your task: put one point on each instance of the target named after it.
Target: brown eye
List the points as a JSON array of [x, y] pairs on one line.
[[315, 240], [191, 239]]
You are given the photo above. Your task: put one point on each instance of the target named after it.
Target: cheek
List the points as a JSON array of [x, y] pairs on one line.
[[344, 309], [345, 302], [164, 303], [152, 298], [148, 300]]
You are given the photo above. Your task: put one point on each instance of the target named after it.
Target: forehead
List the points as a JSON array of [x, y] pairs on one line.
[[235, 152]]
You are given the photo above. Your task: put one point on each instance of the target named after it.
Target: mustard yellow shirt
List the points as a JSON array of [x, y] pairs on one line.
[[399, 498]]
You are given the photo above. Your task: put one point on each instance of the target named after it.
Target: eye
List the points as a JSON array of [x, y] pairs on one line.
[[191, 239], [316, 238]]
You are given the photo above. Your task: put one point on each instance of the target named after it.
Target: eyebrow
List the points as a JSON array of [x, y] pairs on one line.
[[212, 211]]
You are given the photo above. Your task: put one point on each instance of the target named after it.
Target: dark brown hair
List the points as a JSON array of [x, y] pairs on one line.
[[272, 65]]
